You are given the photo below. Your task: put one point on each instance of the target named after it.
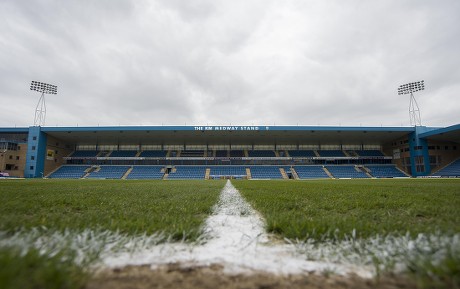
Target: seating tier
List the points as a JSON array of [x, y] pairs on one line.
[[69, 172], [346, 172], [146, 172], [452, 170]]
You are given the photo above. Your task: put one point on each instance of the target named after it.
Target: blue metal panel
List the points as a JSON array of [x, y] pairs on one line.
[[437, 131], [14, 130], [416, 141], [36, 153]]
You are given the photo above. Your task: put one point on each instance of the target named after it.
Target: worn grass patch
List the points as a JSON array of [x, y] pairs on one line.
[[333, 209], [176, 208]]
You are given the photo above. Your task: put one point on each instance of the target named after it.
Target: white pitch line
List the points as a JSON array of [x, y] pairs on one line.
[[237, 240]]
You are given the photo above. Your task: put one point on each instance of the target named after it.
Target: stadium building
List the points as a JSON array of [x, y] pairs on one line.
[[249, 152]]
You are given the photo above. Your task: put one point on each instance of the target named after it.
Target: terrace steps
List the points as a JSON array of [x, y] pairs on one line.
[[316, 153], [363, 169], [283, 173], [53, 171], [127, 173], [89, 170], [328, 172], [207, 174], [402, 171], [367, 172], [248, 173], [138, 154], [439, 168], [294, 174]]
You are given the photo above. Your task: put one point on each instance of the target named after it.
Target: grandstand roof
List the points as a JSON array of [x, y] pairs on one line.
[[450, 133], [231, 134]]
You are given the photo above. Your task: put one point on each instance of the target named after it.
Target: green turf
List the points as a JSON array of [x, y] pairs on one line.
[[176, 208], [34, 270], [334, 208]]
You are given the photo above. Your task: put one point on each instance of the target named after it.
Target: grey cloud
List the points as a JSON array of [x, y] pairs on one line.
[[219, 62]]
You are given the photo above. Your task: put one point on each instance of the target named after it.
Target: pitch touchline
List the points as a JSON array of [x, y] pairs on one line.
[[237, 240]]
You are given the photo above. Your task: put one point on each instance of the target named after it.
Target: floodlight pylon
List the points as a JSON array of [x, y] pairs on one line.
[[414, 110], [40, 110]]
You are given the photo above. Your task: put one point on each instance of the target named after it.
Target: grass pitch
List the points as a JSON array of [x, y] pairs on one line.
[[176, 208], [333, 209], [323, 210]]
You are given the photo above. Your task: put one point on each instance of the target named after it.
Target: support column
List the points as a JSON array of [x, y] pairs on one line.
[[36, 153]]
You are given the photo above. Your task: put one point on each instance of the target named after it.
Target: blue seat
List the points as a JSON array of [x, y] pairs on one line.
[[452, 170], [261, 154], [109, 172], [331, 153], [188, 172], [146, 172], [341, 172], [385, 171], [311, 172], [69, 172], [265, 172], [369, 153], [228, 171], [153, 154], [302, 153], [123, 154]]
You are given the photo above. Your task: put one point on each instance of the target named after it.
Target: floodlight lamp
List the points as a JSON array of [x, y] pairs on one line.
[[411, 87], [43, 87]]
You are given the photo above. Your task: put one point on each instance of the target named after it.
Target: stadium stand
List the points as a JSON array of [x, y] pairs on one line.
[[221, 154], [346, 172], [188, 172], [311, 172], [265, 172], [69, 172], [237, 154], [385, 171], [83, 154], [331, 153], [261, 154], [146, 172], [123, 154], [109, 172], [192, 153], [369, 153], [302, 153], [228, 171], [452, 170], [153, 154]]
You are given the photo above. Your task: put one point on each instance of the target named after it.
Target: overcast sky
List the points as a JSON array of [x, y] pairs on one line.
[[242, 62]]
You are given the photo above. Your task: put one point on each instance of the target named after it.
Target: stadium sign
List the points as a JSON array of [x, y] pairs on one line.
[[228, 128]]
